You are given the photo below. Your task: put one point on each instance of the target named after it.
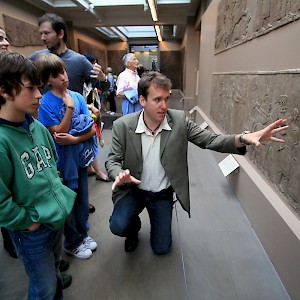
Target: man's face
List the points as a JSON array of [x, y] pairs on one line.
[[4, 44], [156, 105], [59, 82], [27, 101], [133, 63], [50, 38]]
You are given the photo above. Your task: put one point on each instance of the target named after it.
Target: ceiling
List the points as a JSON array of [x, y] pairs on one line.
[[127, 20]]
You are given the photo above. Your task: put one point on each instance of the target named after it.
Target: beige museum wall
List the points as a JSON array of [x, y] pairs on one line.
[[117, 46], [206, 56], [276, 225], [277, 50], [169, 46], [92, 41], [190, 44], [30, 15]]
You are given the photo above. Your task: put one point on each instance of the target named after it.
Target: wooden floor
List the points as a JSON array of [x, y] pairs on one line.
[[215, 254]]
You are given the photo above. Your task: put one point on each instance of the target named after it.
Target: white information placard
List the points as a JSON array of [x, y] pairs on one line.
[[203, 125], [228, 165]]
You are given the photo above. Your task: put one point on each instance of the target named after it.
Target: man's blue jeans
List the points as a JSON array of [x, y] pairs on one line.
[[35, 249], [125, 220], [75, 226]]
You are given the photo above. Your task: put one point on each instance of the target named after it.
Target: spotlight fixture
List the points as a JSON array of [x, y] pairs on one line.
[[174, 30], [157, 29], [152, 6]]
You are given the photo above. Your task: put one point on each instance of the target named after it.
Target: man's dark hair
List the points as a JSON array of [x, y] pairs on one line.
[[57, 23], [91, 57], [14, 69], [140, 70], [153, 78], [49, 64]]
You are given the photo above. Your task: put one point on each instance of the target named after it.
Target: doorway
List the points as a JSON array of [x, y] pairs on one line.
[[147, 56]]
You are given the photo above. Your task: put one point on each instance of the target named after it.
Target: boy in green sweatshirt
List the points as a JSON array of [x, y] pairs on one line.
[[34, 203]]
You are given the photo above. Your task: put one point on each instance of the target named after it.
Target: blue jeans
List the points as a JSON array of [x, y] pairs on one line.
[[125, 220], [75, 229], [35, 249]]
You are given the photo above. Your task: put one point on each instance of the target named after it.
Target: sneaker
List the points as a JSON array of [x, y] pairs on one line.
[[66, 280], [92, 208], [81, 252], [101, 143], [89, 243], [63, 266]]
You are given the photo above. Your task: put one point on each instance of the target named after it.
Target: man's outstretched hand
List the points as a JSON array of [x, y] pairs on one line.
[[124, 177], [267, 133]]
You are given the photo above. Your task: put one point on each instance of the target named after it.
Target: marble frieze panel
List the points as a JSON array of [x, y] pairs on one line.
[[250, 101], [239, 21], [21, 34]]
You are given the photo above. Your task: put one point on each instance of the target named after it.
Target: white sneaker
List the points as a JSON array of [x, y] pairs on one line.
[[89, 243], [82, 252]]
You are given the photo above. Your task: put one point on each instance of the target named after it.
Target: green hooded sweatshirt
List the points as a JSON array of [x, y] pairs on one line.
[[30, 187]]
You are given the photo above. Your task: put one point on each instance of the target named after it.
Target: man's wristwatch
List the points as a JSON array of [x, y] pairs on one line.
[[69, 106], [242, 140]]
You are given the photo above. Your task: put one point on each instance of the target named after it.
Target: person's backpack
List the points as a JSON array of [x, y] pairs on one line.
[[104, 86]]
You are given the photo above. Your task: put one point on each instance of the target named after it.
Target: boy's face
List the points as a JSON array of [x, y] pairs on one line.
[[59, 82], [27, 101], [49, 36], [4, 44]]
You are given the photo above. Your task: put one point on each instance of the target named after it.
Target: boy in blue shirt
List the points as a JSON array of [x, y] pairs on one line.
[[66, 115]]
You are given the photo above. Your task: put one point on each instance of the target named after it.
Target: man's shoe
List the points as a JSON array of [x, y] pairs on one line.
[[131, 243], [92, 208], [81, 252], [66, 280], [63, 266], [89, 243]]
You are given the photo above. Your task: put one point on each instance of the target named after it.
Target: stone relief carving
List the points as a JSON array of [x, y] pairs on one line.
[[20, 33], [241, 20], [250, 102], [232, 23]]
